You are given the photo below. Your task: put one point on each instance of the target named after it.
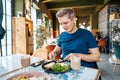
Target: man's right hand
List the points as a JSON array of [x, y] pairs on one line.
[[52, 55]]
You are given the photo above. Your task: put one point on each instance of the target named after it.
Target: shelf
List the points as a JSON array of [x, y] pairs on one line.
[[22, 35]]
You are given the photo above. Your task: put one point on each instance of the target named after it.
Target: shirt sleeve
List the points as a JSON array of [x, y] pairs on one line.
[[91, 40], [58, 42]]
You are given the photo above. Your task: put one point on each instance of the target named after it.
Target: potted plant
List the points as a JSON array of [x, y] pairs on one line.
[[41, 35], [116, 38]]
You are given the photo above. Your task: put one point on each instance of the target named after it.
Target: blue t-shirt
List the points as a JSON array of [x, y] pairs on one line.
[[78, 42]]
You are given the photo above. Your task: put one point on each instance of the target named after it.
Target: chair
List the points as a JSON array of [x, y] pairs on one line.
[[41, 53], [102, 44], [50, 47], [116, 48]]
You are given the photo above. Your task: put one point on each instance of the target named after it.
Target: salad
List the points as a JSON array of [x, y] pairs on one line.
[[56, 66]]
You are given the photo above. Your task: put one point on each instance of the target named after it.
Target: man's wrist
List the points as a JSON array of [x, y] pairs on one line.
[[80, 56], [55, 52]]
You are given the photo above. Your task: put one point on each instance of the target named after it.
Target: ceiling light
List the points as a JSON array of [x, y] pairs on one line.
[[37, 0]]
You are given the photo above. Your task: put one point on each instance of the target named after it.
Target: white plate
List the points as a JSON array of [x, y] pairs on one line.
[[31, 74]]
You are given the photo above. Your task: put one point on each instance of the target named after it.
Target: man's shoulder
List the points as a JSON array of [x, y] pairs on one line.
[[84, 30], [63, 33]]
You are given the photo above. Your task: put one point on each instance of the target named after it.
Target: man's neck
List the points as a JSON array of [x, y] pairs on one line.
[[74, 30]]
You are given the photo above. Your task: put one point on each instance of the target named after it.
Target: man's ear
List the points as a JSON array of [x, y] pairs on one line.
[[75, 19]]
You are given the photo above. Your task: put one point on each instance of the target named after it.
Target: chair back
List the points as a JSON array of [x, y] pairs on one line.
[[41, 53], [102, 42], [50, 47]]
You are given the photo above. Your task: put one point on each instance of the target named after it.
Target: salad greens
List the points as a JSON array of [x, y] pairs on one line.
[[60, 67]]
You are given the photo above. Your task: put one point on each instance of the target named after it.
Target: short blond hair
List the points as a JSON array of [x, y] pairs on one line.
[[65, 11]]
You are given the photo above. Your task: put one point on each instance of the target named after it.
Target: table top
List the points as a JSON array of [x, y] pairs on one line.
[[13, 62], [84, 73]]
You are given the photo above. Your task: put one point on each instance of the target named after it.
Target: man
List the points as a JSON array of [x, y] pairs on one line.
[[75, 41]]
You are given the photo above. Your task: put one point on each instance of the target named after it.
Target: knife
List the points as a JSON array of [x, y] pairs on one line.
[[37, 63]]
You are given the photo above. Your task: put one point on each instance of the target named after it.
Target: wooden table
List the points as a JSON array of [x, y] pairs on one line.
[[84, 73], [12, 63]]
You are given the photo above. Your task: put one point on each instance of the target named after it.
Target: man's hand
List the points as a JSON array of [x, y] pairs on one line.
[[69, 57], [52, 55]]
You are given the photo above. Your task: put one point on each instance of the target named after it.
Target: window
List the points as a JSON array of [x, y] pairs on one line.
[[33, 17], [6, 23]]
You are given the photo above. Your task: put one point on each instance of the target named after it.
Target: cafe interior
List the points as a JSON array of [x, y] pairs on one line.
[[30, 27]]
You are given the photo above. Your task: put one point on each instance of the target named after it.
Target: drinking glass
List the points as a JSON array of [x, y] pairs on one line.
[[25, 61], [75, 64]]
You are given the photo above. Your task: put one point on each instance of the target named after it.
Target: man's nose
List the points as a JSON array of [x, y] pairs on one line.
[[63, 25]]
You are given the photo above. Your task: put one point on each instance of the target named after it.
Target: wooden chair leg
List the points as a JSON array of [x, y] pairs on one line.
[[99, 48], [105, 49]]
